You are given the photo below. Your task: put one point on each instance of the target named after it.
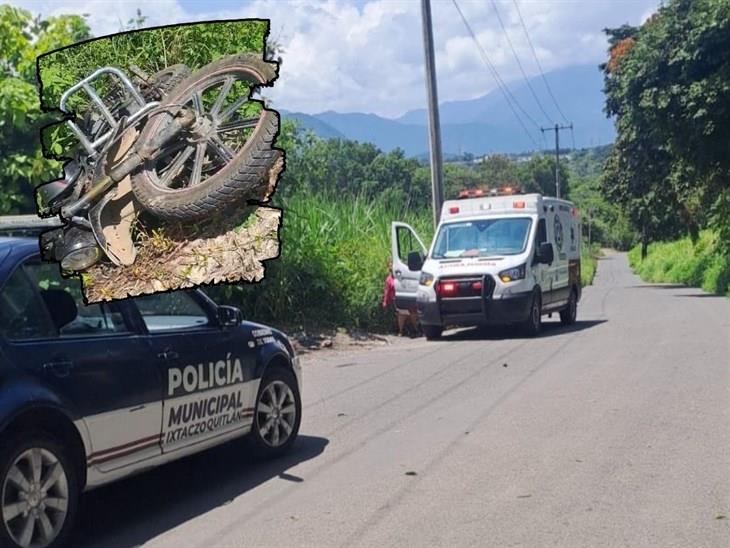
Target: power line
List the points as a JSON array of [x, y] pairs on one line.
[[500, 84], [519, 63], [539, 66]]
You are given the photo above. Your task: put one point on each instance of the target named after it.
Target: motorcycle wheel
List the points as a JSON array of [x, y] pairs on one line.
[[224, 161], [118, 100]]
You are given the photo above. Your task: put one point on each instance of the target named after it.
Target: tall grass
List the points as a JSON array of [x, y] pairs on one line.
[[698, 265], [333, 263], [588, 263]]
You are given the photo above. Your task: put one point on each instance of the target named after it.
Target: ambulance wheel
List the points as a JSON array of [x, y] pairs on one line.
[[533, 323], [39, 491], [432, 332], [277, 414], [569, 313]]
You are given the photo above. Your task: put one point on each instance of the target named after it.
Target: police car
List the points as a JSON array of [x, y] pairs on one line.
[[93, 393]]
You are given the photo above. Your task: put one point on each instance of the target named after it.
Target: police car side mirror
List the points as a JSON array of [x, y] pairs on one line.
[[229, 315], [415, 261], [545, 253]]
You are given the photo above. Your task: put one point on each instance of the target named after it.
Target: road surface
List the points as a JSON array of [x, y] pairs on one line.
[[615, 432]]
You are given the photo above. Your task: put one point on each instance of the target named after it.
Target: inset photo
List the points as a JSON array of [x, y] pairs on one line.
[[170, 155]]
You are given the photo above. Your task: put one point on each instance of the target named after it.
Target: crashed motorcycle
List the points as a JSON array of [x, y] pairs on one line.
[[183, 147]]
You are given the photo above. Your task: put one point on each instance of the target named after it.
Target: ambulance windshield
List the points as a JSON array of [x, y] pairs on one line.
[[482, 238]]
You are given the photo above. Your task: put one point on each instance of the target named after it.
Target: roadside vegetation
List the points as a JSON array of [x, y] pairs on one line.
[[699, 264], [667, 85], [589, 263]]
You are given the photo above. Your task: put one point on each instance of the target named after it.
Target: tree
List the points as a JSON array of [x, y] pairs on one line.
[[538, 175], [498, 171], [22, 39], [668, 86]]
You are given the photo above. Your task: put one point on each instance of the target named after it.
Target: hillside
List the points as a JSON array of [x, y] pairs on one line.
[[484, 124]]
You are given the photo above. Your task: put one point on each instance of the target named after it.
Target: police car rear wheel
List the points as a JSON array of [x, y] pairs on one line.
[[39, 493], [277, 414]]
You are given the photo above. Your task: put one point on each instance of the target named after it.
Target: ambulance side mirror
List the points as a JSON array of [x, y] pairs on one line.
[[545, 253], [415, 261]]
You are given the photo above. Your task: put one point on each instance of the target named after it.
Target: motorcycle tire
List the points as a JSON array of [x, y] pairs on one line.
[[235, 182], [163, 81]]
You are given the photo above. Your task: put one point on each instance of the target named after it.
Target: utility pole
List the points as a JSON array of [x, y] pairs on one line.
[[434, 127], [557, 129]]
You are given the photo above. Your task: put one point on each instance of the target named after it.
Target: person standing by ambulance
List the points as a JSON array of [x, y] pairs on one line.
[[402, 315]]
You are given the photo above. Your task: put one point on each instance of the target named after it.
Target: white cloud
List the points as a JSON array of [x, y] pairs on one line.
[[368, 57]]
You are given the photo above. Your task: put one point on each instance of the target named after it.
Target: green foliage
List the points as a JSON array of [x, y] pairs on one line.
[[350, 170], [22, 38], [588, 263], [700, 264], [333, 262], [668, 85]]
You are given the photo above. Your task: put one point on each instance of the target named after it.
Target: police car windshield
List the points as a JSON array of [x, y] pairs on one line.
[[483, 237]]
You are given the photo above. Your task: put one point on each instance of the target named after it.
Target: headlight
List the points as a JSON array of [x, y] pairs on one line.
[[426, 279], [512, 274], [78, 250]]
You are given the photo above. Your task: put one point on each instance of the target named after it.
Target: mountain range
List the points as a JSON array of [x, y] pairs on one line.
[[486, 124]]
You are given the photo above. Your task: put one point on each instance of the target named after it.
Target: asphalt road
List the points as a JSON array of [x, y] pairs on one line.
[[615, 432]]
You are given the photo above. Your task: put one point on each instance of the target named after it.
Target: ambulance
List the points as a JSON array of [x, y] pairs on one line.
[[498, 258]]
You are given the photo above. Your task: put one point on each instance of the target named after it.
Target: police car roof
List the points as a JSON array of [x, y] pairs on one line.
[[18, 247]]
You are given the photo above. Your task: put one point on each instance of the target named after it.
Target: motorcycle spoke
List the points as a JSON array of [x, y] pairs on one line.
[[238, 103], [198, 164], [176, 166], [171, 149], [225, 88], [198, 103], [221, 149], [244, 123]]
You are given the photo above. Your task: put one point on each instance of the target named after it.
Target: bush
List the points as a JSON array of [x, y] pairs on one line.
[[702, 264], [332, 266], [588, 263]]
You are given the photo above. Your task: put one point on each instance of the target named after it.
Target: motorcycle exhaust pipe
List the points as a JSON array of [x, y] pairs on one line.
[[138, 155]]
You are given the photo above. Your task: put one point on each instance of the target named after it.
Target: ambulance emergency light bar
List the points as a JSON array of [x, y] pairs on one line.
[[482, 192]]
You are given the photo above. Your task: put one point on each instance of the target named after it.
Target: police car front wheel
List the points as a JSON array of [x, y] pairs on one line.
[[277, 414], [39, 492]]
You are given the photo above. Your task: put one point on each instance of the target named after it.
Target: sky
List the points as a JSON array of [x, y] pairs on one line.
[[367, 55]]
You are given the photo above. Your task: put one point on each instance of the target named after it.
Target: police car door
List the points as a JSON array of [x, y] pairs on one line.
[[91, 357], [207, 369], [405, 241]]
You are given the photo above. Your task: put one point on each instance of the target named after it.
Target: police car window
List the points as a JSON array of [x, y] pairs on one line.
[[173, 310], [64, 303], [22, 314]]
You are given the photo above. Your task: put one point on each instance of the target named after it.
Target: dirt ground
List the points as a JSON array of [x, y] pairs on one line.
[[338, 340], [230, 248]]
